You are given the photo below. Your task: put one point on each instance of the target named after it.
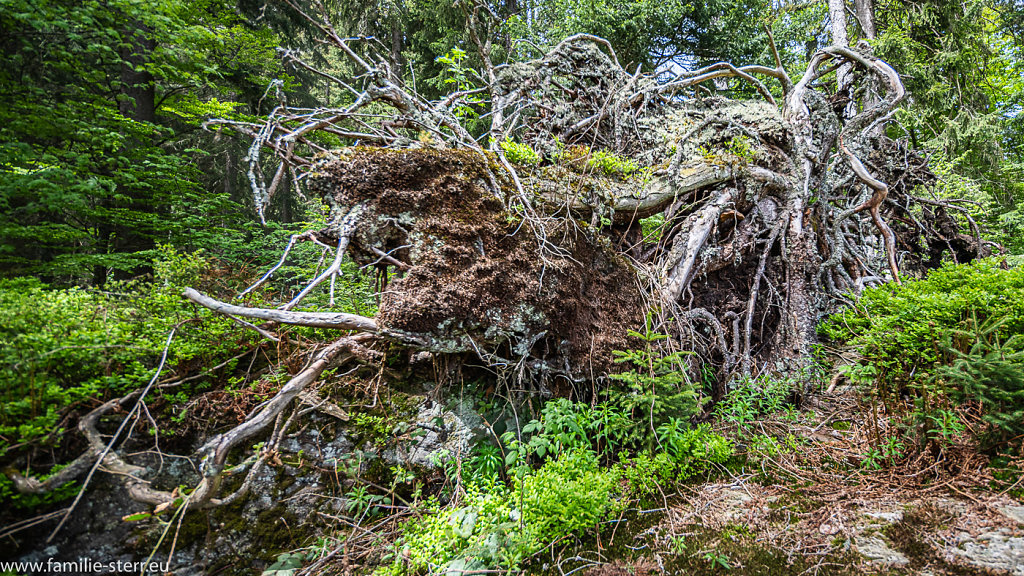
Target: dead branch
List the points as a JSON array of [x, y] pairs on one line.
[[338, 320]]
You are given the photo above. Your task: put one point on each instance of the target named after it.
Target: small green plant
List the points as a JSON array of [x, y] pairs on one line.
[[860, 374], [565, 425], [693, 449], [751, 398], [286, 565], [652, 227], [685, 452], [400, 475], [486, 463], [942, 425], [361, 502], [657, 386], [718, 560], [583, 159], [456, 78], [520, 153], [741, 148], [885, 454], [375, 427], [566, 495], [991, 370], [611, 164], [764, 446], [708, 154], [647, 472], [679, 544]]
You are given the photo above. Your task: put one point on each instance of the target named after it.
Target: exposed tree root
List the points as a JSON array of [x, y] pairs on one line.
[[336, 320]]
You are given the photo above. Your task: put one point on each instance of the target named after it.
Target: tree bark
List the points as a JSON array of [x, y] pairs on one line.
[[837, 18], [866, 15], [138, 90]]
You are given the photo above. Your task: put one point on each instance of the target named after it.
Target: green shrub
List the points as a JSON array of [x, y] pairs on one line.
[[583, 158], [900, 329], [648, 472], [657, 388], [693, 449], [751, 398], [485, 529], [990, 370], [64, 350], [952, 337], [612, 164], [60, 348], [685, 452], [566, 496], [497, 527], [565, 425]]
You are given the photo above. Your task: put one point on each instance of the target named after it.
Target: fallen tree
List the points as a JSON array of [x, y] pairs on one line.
[[603, 201]]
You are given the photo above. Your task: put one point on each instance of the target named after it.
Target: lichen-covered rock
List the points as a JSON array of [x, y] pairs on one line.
[[444, 434], [997, 550]]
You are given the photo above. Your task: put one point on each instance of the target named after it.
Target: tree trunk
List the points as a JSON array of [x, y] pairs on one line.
[[397, 60], [137, 102], [138, 90], [866, 16], [837, 18]]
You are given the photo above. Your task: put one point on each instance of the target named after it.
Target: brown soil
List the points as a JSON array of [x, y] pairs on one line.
[[476, 279]]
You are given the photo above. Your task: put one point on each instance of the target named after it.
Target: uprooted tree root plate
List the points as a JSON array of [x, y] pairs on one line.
[[771, 216]]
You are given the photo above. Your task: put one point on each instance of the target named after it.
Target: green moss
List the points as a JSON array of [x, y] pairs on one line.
[[735, 551], [283, 480]]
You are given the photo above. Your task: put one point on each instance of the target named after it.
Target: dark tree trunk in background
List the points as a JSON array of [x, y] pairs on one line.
[[397, 62], [138, 92], [136, 101]]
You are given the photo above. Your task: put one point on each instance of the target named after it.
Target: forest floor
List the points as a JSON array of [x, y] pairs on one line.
[[805, 493], [812, 502]]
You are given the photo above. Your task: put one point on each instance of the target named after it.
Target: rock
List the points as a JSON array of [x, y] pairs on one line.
[[886, 517], [1015, 513], [996, 550], [878, 551], [730, 503], [446, 433]]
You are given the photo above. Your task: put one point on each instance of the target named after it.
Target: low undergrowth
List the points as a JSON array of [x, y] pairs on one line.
[[499, 526], [940, 354], [496, 524], [65, 347], [65, 350], [564, 474]]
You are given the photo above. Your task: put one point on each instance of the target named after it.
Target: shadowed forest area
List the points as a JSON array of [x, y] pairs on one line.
[[450, 287]]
